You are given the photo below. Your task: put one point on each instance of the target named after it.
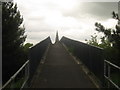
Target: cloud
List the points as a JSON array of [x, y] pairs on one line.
[[71, 18], [98, 10]]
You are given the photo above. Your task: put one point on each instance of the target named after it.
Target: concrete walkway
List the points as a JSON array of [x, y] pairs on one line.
[[60, 71]]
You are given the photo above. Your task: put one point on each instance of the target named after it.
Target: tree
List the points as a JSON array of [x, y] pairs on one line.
[[12, 40], [28, 45], [110, 42], [26, 48], [112, 35], [93, 40]]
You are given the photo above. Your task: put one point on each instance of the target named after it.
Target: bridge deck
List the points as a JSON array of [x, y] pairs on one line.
[[60, 71]]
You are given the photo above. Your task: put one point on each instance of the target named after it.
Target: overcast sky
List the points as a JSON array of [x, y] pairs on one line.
[[72, 18]]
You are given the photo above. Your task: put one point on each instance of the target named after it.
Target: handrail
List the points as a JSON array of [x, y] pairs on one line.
[[112, 82], [112, 64], [108, 63], [12, 77]]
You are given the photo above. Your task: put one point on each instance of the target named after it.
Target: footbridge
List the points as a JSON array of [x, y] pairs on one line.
[[65, 64]]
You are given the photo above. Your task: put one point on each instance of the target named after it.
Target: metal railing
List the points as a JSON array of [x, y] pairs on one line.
[[19, 79], [107, 73]]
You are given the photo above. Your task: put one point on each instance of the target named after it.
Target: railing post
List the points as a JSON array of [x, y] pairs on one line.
[[26, 72], [108, 75], [28, 69], [12, 83], [104, 70]]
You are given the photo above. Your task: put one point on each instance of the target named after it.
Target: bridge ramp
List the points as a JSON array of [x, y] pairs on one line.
[[60, 71]]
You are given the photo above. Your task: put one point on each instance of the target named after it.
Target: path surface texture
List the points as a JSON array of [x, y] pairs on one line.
[[60, 71]]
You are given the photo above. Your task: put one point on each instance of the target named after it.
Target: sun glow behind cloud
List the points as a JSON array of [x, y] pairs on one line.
[[71, 18]]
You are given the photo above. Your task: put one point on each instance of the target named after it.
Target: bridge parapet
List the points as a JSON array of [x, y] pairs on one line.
[[91, 56], [36, 55]]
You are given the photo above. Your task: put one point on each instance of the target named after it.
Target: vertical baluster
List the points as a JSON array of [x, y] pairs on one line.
[[26, 73], [12, 83], [28, 69], [108, 75], [104, 70]]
